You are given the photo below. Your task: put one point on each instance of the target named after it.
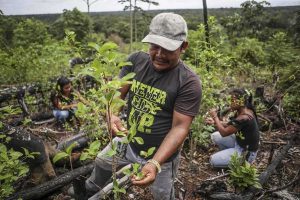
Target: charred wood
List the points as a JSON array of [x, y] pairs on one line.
[[50, 186]]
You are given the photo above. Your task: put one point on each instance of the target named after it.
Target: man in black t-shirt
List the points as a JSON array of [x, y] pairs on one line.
[[164, 97]]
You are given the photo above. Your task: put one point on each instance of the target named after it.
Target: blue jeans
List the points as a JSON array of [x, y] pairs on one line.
[[61, 115], [161, 189], [228, 146]]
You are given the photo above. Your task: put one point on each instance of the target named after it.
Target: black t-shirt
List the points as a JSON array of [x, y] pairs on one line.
[[248, 132], [153, 96], [58, 97]]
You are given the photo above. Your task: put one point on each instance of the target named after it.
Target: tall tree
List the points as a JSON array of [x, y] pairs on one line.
[[73, 20], [254, 16], [89, 3], [295, 28], [206, 22], [133, 9], [30, 31], [7, 26]]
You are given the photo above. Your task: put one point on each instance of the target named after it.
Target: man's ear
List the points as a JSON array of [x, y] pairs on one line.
[[184, 46]]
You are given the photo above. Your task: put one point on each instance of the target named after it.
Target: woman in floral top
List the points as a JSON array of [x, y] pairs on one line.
[[240, 134]]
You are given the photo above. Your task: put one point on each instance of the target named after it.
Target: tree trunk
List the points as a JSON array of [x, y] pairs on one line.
[[131, 26], [206, 22]]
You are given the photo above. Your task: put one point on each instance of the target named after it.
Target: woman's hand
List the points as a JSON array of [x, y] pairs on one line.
[[116, 125], [209, 121], [213, 113], [149, 172]]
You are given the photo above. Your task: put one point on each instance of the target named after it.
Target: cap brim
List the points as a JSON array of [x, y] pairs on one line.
[[164, 42]]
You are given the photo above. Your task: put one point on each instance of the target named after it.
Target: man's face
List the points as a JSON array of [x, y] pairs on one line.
[[164, 59]]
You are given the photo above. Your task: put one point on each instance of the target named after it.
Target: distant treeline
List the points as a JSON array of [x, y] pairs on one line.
[[281, 14]]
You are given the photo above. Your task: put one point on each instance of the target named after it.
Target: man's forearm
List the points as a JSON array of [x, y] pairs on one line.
[[171, 144]]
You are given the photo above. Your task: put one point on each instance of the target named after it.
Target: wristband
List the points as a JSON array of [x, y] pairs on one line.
[[157, 165]]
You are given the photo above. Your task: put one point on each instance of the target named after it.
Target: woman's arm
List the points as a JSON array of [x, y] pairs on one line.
[[224, 130]]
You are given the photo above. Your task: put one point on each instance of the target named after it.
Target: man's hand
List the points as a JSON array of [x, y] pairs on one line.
[[149, 172], [116, 125]]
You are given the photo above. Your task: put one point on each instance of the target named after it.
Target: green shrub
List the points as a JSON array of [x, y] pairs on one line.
[[242, 174]]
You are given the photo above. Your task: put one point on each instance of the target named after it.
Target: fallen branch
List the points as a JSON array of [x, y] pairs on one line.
[[42, 190], [217, 177], [48, 130], [273, 142]]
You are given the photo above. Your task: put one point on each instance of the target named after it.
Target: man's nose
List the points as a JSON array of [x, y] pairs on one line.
[[160, 51]]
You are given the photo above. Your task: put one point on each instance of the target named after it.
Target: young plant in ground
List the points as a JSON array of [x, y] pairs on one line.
[[104, 100], [91, 152], [242, 174], [66, 154], [12, 166], [11, 169]]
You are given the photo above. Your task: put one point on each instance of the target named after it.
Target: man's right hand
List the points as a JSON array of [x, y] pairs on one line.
[[116, 125]]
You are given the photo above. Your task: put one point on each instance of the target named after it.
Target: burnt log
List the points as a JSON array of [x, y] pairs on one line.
[[20, 139], [81, 139], [51, 186]]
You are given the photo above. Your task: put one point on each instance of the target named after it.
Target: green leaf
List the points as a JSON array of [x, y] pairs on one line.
[[121, 64], [111, 153], [60, 156], [3, 148], [257, 185], [135, 167], [84, 156], [104, 100], [16, 154], [95, 145], [107, 46], [121, 133], [71, 147], [122, 190], [150, 151], [94, 45], [5, 176], [139, 140], [129, 76], [23, 171], [144, 154], [25, 151], [127, 171]]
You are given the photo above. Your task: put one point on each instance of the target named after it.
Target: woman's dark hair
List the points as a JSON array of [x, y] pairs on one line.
[[241, 93], [61, 82]]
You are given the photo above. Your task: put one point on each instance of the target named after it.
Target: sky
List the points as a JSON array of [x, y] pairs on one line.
[[21, 7]]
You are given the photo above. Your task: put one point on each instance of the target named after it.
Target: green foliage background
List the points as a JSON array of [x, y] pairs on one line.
[[247, 47]]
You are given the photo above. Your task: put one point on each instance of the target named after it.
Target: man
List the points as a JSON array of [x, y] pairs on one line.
[[163, 99]]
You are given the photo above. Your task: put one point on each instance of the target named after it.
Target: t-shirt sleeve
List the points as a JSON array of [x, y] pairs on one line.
[[128, 68], [189, 97], [238, 124]]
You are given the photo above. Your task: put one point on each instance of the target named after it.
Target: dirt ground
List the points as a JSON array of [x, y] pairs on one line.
[[196, 170], [193, 172]]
